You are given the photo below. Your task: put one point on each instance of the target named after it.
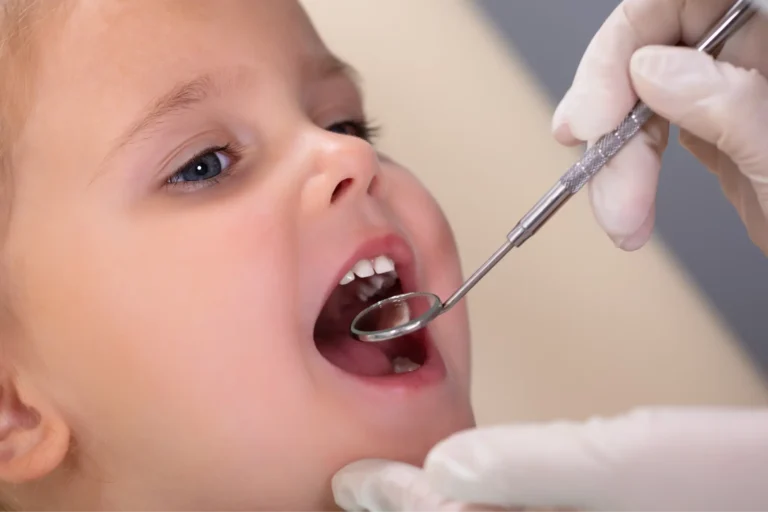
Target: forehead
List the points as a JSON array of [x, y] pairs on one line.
[[110, 59], [137, 37], [108, 51]]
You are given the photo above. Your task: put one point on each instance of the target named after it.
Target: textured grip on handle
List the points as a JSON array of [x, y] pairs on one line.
[[605, 148]]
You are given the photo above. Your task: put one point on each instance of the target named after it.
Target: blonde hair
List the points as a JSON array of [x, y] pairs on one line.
[[17, 54], [19, 49]]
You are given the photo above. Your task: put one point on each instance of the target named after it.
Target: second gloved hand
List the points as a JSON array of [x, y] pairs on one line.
[[654, 459]]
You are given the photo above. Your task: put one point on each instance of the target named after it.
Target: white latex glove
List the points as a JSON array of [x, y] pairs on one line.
[[721, 107], [381, 485], [662, 459], [654, 459]]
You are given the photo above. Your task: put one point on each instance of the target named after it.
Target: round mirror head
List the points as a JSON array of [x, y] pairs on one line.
[[395, 316]]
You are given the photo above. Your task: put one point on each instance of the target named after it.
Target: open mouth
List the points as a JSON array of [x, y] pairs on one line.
[[367, 282]]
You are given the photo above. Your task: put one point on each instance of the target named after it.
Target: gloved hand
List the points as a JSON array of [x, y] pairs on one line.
[[380, 485], [663, 459], [653, 459], [721, 107]]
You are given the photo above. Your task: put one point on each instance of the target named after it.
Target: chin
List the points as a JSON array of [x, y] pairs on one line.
[[409, 442], [414, 446]]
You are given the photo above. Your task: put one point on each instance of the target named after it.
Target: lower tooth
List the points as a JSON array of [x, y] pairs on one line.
[[365, 292], [404, 365], [377, 282]]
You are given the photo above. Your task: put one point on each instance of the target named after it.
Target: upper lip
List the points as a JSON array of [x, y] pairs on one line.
[[388, 244]]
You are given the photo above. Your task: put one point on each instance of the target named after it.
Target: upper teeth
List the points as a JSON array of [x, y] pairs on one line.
[[367, 268]]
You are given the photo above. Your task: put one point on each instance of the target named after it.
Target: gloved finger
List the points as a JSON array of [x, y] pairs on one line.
[[381, 485], [534, 465], [623, 193], [706, 153], [663, 459], [749, 208], [736, 187], [716, 101], [762, 5], [601, 93]]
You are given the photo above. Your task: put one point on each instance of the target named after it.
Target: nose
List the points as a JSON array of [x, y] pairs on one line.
[[345, 168]]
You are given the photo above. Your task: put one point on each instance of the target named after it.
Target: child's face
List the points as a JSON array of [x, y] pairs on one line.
[[170, 316]]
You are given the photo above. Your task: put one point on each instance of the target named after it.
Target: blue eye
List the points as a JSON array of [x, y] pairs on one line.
[[204, 167]]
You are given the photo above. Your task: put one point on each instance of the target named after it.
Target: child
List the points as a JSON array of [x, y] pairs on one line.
[[193, 212]]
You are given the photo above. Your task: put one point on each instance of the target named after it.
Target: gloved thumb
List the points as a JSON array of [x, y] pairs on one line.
[[376, 485], [722, 104]]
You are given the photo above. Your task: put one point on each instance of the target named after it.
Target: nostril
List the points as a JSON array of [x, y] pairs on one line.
[[340, 189]]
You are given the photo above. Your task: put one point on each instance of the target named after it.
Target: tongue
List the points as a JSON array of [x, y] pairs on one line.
[[335, 344], [355, 357]]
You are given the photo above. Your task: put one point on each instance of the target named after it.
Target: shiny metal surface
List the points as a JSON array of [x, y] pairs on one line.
[[739, 13], [593, 160], [396, 316]]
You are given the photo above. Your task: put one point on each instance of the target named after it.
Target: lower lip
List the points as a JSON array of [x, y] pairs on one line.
[[429, 374]]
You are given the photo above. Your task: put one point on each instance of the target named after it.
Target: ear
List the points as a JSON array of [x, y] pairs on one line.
[[34, 439]]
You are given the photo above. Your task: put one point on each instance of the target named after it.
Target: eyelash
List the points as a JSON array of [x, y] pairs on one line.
[[231, 152], [362, 129]]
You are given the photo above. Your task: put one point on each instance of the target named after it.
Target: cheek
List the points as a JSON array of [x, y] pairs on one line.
[[175, 318], [418, 211]]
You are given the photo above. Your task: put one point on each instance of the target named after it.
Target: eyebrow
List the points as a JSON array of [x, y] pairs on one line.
[[331, 65], [186, 95], [181, 97]]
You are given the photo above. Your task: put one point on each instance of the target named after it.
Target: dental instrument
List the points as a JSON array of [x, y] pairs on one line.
[[409, 312]]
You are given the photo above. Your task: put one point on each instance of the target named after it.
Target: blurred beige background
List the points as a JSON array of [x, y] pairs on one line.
[[596, 331]]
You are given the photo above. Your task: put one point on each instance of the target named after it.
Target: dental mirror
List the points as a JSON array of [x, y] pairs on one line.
[[409, 312], [396, 316]]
